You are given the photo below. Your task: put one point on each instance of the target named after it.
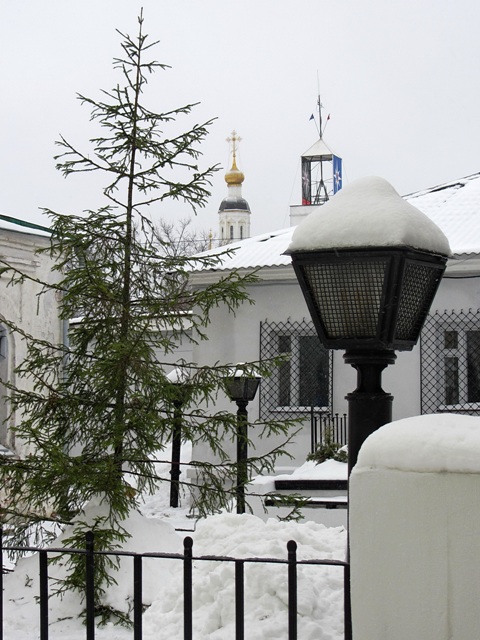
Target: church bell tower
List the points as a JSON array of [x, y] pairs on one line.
[[234, 213]]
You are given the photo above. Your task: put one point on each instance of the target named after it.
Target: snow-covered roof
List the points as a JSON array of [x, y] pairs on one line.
[[22, 226], [454, 207], [266, 250]]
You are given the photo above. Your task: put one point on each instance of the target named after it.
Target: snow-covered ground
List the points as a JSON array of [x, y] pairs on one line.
[[320, 589], [417, 454]]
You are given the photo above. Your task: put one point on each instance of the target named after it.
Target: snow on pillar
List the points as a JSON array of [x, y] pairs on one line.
[[414, 531]]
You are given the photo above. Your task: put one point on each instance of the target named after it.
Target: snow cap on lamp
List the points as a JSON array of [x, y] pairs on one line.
[[368, 213]]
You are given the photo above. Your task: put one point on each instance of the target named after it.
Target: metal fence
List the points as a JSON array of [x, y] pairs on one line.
[[323, 427], [187, 558]]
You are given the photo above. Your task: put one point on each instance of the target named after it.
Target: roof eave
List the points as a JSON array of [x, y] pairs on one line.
[[461, 265], [274, 274]]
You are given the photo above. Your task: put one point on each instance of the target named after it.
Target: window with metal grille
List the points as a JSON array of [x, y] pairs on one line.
[[450, 350], [303, 378]]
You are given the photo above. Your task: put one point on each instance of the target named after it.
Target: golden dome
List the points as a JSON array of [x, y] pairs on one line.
[[234, 176]]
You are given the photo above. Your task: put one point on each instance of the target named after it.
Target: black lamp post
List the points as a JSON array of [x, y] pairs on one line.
[[369, 300], [180, 396], [241, 388]]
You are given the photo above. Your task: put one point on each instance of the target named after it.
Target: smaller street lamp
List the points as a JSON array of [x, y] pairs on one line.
[[369, 265], [179, 378], [241, 388]]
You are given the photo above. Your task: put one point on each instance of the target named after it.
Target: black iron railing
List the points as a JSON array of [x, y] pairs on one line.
[[327, 426], [187, 559]]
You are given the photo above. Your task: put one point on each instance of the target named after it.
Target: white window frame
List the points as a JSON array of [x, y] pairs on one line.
[[460, 352]]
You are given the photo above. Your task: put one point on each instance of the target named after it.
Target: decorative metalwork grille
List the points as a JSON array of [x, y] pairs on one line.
[[304, 379], [450, 363], [322, 426]]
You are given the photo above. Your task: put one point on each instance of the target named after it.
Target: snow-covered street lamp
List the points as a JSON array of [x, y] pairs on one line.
[[369, 265], [241, 388]]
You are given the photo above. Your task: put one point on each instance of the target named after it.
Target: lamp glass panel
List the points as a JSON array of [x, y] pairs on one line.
[[241, 388], [348, 296], [236, 388], [251, 388], [420, 283]]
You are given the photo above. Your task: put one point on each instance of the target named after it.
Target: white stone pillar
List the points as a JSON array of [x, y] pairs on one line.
[[415, 531]]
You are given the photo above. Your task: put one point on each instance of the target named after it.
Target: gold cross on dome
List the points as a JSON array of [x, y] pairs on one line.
[[234, 140]]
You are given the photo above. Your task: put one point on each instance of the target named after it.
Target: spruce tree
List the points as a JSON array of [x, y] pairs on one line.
[[97, 410]]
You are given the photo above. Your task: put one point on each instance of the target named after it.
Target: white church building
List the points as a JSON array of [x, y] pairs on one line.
[[441, 374]]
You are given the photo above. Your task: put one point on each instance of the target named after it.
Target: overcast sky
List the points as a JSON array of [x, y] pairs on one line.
[[399, 78]]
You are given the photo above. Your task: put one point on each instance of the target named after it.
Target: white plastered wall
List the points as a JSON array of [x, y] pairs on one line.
[[21, 304], [414, 543]]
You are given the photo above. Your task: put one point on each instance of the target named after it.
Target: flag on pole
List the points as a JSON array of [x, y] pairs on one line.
[[337, 174]]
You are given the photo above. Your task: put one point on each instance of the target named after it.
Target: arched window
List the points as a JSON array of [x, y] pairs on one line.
[[231, 232], [241, 232]]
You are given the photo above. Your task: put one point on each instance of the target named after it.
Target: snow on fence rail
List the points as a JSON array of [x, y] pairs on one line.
[[187, 559]]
